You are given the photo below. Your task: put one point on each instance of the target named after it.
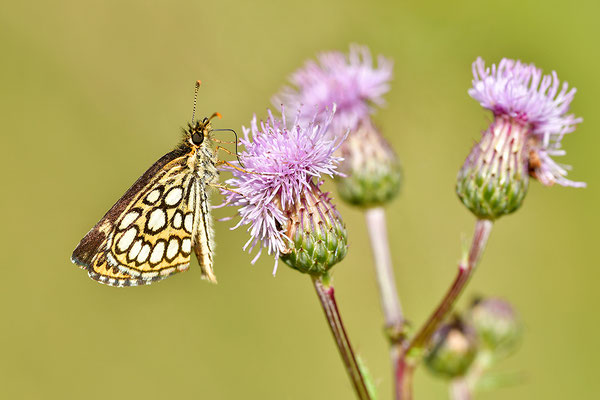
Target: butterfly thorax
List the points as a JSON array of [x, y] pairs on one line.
[[201, 155]]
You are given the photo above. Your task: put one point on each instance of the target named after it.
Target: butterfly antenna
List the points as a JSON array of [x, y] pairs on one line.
[[198, 83], [218, 115], [237, 155]]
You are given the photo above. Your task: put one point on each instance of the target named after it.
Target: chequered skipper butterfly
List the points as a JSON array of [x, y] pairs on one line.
[[150, 232]]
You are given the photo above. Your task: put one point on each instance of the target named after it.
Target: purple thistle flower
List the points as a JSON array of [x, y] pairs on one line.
[[520, 91], [350, 81], [530, 120], [281, 164]]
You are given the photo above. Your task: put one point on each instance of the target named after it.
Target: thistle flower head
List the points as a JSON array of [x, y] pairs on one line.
[[282, 165], [530, 120], [350, 81], [519, 91]]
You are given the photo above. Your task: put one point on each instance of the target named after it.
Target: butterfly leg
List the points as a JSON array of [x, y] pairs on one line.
[[219, 186], [223, 162], [223, 141]]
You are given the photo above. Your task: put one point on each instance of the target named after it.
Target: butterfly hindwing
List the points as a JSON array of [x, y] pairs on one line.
[[153, 237], [102, 272]]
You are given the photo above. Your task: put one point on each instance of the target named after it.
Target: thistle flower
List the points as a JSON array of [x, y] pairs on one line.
[[371, 170], [278, 195], [530, 120], [350, 81]]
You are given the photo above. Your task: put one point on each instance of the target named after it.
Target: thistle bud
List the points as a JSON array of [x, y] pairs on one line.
[[493, 180], [496, 324], [318, 238], [452, 350], [372, 173]]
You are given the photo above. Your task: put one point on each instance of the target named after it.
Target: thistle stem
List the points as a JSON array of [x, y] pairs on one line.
[[326, 294], [390, 302], [463, 388], [392, 310], [414, 349], [459, 390]]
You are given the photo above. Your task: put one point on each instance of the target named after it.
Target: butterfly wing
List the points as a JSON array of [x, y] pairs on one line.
[[203, 235], [147, 235]]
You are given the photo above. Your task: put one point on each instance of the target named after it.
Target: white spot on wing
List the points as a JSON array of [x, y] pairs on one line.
[[183, 267], [128, 219], [188, 223], [174, 196], [129, 271], [177, 220], [135, 249], [157, 220], [186, 245], [111, 260], [157, 253], [149, 275], [125, 240], [167, 271], [144, 253], [153, 196], [172, 248]]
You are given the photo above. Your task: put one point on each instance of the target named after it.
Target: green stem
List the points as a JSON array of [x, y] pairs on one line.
[[326, 294], [413, 350]]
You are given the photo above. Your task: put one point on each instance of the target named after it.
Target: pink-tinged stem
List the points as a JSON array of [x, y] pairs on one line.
[[460, 390], [384, 271], [326, 295], [414, 349]]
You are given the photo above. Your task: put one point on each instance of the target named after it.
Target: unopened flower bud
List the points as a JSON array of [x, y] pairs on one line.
[[496, 324], [371, 168], [494, 178], [452, 350], [318, 238]]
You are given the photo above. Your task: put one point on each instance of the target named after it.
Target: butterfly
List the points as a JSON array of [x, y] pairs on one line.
[[150, 232]]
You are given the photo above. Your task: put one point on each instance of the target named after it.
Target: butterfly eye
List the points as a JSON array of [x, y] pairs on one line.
[[197, 138]]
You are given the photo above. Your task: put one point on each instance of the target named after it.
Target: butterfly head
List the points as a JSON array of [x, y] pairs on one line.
[[198, 132]]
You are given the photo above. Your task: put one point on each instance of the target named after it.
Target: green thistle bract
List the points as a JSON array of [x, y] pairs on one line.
[[493, 180], [372, 172], [318, 238]]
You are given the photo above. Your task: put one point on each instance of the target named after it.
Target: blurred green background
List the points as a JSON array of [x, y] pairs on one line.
[[93, 92]]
